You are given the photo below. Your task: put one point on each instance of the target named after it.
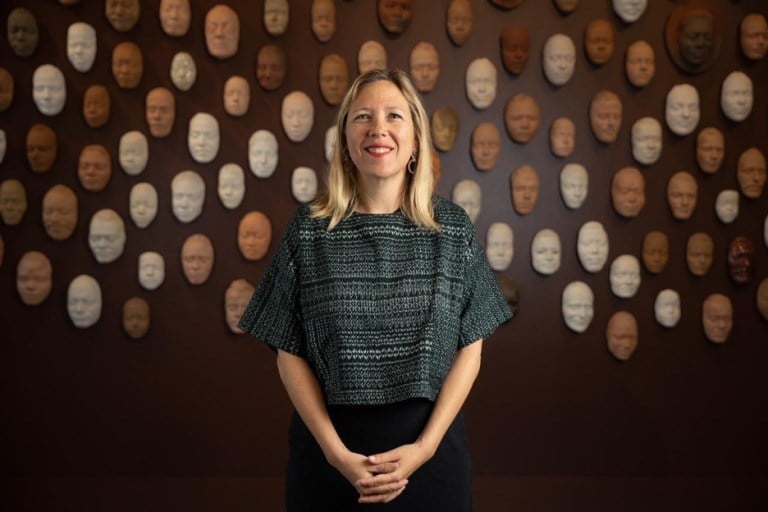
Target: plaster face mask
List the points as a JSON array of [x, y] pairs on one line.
[[500, 246], [481, 83], [394, 15], [655, 251], [236, 298], [485, 146], [333, 78], [592, 246], [23, 33], [646, 140], [187, 196], [127, 65], [458, 21], [175, 16], [628, 192], [666, 308], [445, 128], [276, 17], [515, 49], [271, 67], [372, 55], [710, 149], [727, 205], [49, 91], [222, 31], [151, 270], [625, 276], [122, 14], [81, 46], [13, 201], [424, 66], [60, 212], [682, 109], [578, 306], [629, 10], [142, 204], [6, 89], [621, 335], [598, 41], [521, 118], [736, 97], [133, 152], [546, 252], [183, 71], [753, 36], [682, 192], [741, 260], [96, 106], [304, 184], [329, 142], [762, 298], [562, 137], [468, 194], [524, 183], [106, 235], [42, 147], [231, 185], [751, 173], [197, 259], [605, 111], [717, 317], [135, 318], [160, 112], [94, 168], [698, 42], [640, 63], [574, 185], [566, 6], [203, 137], [84, 301], [699, 253], [254, 234], [237, 96], [559, 59], [323, 14], [33, 278], [297, 115], [262, 153]]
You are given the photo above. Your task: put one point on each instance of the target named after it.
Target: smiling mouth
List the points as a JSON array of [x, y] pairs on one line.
[[378, 150]]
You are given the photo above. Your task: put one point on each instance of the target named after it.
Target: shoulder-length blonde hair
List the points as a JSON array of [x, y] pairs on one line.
[[340, 199]]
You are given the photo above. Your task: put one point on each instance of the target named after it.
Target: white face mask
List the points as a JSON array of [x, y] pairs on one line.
[[629, 10], [666, 308], [682, 109], [262, 153], [592, 246], [500, 245], [468, 194], [183, 71], [133, 152], [143, 204], [546, 252], [625, 276], [578, 306], [231, 185], [297, 115], [736, 96], [304, 184], [81, 46], [329, 142], [151, 270], [49, 90], [187, 196], [646, 140], [574, 185], [84, 301], [203, 137], [559, 59], [727, 205], [106, 235], [481, 83]]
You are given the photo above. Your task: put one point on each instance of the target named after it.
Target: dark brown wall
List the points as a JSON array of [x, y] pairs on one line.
[[193, 411]]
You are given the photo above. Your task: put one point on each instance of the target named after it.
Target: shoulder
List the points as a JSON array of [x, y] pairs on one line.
[[452, 218]]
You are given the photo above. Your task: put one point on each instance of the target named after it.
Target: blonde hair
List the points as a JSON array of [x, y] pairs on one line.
[[339, 201]]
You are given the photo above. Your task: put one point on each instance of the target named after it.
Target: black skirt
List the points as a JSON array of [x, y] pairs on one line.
[[443, 483]]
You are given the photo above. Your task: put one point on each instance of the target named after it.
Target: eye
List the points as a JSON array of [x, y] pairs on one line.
[[395, 115]]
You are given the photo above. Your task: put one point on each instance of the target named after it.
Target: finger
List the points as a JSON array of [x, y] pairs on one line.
[[381, 498], [387, 467], [378, 480], [390, 456], [382, 488]]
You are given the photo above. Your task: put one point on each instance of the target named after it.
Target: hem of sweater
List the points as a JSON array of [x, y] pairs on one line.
[[382, 397], [484, 334]]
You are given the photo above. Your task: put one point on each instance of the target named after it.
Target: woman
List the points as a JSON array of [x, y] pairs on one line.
[[377, 301]]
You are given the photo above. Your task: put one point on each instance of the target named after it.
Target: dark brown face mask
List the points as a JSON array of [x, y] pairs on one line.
[[741, 260]]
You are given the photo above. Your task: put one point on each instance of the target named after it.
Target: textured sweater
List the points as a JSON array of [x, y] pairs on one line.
[[378, 306]]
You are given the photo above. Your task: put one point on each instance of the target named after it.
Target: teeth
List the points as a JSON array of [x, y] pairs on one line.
[[378, 151]]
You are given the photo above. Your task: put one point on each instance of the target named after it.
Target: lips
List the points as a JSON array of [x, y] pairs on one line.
[[378, 150]]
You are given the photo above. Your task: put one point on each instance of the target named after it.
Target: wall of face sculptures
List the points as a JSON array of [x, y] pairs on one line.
[[610, 153]]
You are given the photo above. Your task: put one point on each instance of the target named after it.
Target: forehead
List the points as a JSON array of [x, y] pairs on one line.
[[197, 244], [640, 49], [60, 195], [380, 90], [486, 131]]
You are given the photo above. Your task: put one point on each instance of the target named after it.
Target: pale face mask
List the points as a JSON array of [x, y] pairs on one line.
[[304, 184], [231, 185], [183, 71], [329, 142], [203, 137], [682, 109], [481, 83], [143, 204], [262, 153], [736, 97], [727, 205], [297, 115], [33, 278], [151, 270], [629, 10], [81, 46], [372, 55], [84, 301], [559, 59], [646, 140], [500, 246], [625, 276], [276, 16], [424, 66], [546, 252], [666, 308], [574, 185], [578, 306], [187, 196], [49, 91], [133, 152], [106, 235], [468, 194], [592, 246]]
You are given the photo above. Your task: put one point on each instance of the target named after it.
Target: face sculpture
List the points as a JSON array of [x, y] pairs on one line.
[[94, 168], [574, 185], [646, 140], [682, 192], [751, 173], [717, 317], [33, 278], [481, 83], [515, 48], [562, 137], [175, 16], [60, 212], [605, 116], [187, 196], [753, 36], [23, 33], [468, 194], [222, 31], [666, 308], [625, 276], [521, 118], [500, 246], [41, 148], [297, 115], [84, 301], [640, 63], [49, 90], [304, 184], [262, 153], [578, 306], [236, 298], [142, 204], [231, 185], [682, 109], [693, 38], [458, 21], [699, 253], [629, 10], [628, 192], [183, 71], [6, 89], [762, 298], [710, 149], [127, 65], [323, 14], [566, 6], [276, 16], [621, 335], [736, 98], [559, 59], [741, 260], [655, 251], [524, 182], [237, 96], [81, 46], [598, 41], [136, 317], [254, 234], [151, 270], [106, 235], [592, 246], [445, 128], [333, 78], [271, 67], [197, 258], [133, 152], [329, 142], [546, 252], [727, 205], [485, 146], [424, 66], [394, 15], [96, 106], [13, 201], [122, 14], [371, 55], [203, 137]]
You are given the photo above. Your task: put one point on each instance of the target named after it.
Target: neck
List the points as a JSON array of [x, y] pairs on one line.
[[380, 196]]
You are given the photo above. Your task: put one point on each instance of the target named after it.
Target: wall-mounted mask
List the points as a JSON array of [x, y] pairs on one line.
[[682, 193], [60, 212], [142, 204], [500, 248], [42, 147], [699, 253], [628, 192], [183, 71], [753, 36], [133, 152], [566, 6], [524, 183], [394, 15], [485, 146], [297, 115], [515, 44], [666, 308], [751, 173], [333, 78], [605, 111], [254, 234], [6, 89], [323, 13], [592, 246], [160, 112], [371, 55], [693, 37], [122, 14], [271, 67], [236, 298], [629, 10], [578, 306], [741, 260], [197, 257], [681, 110], [710, 149], [262, 153], [136, 318], [304, 184], [727, 205], [81, 46], [13, 201], [84, 301], [222, 31], [574, 185], [761, 297], [237, 96], [424, 66], [546, 251], [23, 32], [459, 20], [151, 270], [34, 278], [625, 276], [175, 17], [736, 97], [49, 91], [621, 335], [127, 65], [106, 235], [231, 185], [94, 168], [717, 317], [203, 137], [655, 251], [559, 59], [445, 127], [468, 194], [646, 140], [640, 63], [187, 196], [96, 106], [562, 137], [276, 16], [480, 83], [598, 41], [521, 118]]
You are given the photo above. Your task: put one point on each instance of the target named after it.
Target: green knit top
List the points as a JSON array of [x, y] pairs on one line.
[[377, 306]]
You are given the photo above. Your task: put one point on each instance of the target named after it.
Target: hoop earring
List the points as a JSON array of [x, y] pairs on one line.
[[411, 163]]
